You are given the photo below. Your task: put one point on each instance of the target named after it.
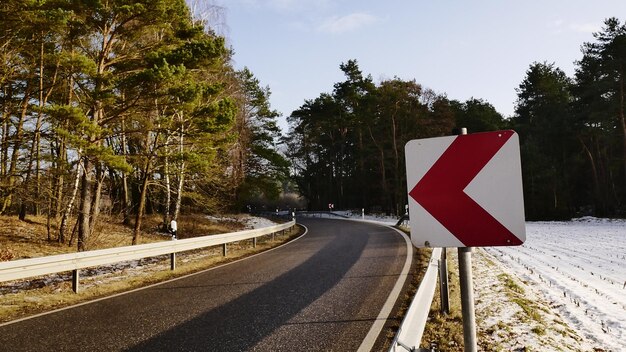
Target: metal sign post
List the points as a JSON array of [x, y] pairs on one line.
[[467, 299], [467, 294]]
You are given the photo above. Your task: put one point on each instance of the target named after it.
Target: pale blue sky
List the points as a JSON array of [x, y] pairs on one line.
[[464, 49]]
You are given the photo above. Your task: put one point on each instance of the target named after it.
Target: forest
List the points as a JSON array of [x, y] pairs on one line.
[[347, 147], [126, 108]]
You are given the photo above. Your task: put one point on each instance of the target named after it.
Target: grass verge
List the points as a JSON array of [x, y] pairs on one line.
[[445, 331], [421, 258], [24, 298]]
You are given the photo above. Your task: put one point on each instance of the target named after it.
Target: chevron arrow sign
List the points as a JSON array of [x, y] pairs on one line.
[[466, 191]]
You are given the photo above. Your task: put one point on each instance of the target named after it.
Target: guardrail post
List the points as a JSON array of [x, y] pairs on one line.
[[254, 242], [173, 261], [443, 283], [75, 280], [224, 250]]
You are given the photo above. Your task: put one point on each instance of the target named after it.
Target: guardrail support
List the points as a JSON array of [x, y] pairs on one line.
[[224, 250], [75, 280], [443, 283], [254, 242], [173, 261]]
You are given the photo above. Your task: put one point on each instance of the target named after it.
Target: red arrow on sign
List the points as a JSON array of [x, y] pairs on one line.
[[441, 191]]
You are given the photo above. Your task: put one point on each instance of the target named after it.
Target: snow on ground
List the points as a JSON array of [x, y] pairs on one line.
[[255, 222], [514, 316], [579, 269]]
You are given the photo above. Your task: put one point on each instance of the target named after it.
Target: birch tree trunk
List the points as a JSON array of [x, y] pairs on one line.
[[168, 187], [179, 192], [70, 205], [181, 174], [84, 210]]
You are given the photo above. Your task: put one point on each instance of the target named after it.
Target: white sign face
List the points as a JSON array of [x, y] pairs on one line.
[[466, 191]]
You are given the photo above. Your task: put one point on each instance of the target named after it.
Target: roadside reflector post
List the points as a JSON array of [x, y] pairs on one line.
[[75, 280], [173, 256]]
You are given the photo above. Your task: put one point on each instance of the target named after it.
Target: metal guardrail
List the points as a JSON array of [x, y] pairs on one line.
[[25, 268], [404, 221], [412, 328], [321, 214]]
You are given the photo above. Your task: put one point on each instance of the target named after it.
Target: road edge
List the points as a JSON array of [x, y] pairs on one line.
[[372, 336]]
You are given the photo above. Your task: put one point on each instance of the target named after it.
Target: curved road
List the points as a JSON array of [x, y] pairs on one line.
[[322, 292]]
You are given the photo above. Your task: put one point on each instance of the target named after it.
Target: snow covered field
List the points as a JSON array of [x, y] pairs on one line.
[[576, 268]]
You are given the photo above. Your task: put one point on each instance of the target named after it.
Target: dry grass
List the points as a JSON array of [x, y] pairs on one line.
[[446, 330], [421, 258], [29, 239]]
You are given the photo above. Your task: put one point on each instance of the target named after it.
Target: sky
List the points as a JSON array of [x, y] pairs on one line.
[[463, 49]]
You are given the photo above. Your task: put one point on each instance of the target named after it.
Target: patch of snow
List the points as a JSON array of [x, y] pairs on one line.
[[254, 222], [221, 218], [504, 324], [578, 268]]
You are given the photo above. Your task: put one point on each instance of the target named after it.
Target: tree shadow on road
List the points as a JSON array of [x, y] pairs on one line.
[[240, 324]]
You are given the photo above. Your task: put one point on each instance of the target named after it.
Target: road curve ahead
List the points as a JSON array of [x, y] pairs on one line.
[[322, 292]]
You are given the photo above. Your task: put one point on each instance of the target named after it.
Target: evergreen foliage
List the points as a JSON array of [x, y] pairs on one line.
[[126, 107], [347, 147]]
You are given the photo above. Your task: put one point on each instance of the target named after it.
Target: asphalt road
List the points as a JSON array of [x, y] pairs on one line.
[[320, 293]]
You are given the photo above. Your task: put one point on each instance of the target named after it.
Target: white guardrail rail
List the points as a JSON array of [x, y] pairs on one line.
[[25, 268], [412, 328]]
